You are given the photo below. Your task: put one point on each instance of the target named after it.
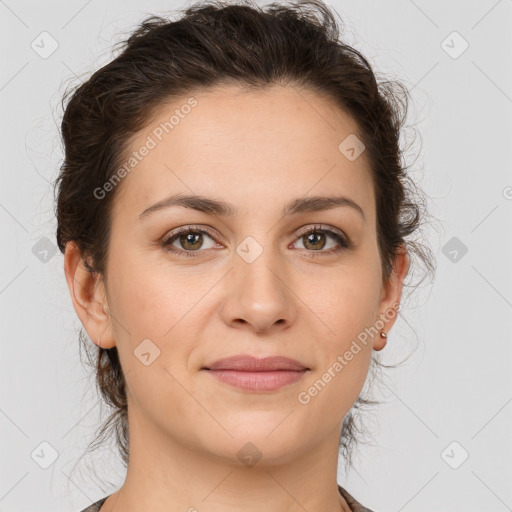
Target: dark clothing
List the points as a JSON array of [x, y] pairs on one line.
[[354, 505], [95, 507]]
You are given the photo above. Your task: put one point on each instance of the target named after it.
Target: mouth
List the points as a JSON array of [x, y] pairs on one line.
[[253, 374]]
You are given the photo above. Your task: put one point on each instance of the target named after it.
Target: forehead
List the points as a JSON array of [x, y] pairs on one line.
[[250, 148]]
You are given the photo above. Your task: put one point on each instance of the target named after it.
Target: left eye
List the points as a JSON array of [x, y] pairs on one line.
[[191, 240], [315, 238]]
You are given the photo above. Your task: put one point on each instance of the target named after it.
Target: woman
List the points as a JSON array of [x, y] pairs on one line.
[[234, 213]]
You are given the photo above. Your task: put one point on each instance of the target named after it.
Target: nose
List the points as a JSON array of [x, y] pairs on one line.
[[258, 296]]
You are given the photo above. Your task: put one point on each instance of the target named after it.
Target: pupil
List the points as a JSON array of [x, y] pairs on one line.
[[189, 239], [311, 240]]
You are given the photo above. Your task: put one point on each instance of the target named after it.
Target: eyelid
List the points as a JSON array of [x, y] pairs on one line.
[[320, 227], [191, 228]]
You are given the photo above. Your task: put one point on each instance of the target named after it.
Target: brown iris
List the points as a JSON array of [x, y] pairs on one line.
[[312, 238], [188, 239]]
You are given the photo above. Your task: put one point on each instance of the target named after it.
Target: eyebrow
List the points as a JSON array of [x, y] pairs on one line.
[[223, 209]]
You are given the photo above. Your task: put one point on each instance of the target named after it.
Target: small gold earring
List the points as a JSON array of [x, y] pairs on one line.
[[383, 334]]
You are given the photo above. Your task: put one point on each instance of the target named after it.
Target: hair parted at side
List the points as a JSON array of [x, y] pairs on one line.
[[215, 43]]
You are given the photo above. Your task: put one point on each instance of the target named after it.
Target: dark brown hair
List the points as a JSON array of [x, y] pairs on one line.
[[217, 43]]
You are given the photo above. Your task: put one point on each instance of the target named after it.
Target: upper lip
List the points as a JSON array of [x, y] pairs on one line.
[[253, 364]]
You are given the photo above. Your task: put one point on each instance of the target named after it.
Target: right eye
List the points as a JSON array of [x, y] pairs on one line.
[[190, 238]]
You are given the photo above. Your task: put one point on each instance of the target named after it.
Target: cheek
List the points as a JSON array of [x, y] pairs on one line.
[[150, 299], [325, 399], [345, 314], [335, 385], [344, 301]]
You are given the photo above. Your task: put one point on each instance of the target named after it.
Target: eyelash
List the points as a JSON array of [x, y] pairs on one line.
[[167, 241]]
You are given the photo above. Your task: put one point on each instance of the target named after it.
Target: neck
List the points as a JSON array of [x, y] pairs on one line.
[[164, 476]]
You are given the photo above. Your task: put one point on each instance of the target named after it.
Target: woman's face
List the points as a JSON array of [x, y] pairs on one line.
[[250, 281]]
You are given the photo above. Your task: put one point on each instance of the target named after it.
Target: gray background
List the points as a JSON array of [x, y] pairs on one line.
[[455, 388]]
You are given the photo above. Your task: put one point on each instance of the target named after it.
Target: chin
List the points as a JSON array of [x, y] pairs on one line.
[[269, 441]]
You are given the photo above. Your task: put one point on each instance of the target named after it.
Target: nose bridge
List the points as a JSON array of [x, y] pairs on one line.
[[258, 267], [257, 292]]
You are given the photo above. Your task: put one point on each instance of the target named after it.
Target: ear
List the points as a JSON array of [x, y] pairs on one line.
[[89, 297], [391, 295]]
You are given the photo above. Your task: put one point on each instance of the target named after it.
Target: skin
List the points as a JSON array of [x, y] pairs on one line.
[[257, 151]]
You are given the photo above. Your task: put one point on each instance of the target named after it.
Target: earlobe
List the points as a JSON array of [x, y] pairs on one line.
[[382, 341], [88, 297], [392, 293]]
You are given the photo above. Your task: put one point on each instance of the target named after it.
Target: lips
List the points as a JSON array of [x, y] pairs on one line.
[[253, 364], [257, 375]]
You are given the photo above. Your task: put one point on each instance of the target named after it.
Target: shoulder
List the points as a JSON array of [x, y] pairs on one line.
[[95, 507], [355, 506]]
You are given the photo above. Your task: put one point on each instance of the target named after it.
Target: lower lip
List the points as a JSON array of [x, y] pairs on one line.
[[258, 381]]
